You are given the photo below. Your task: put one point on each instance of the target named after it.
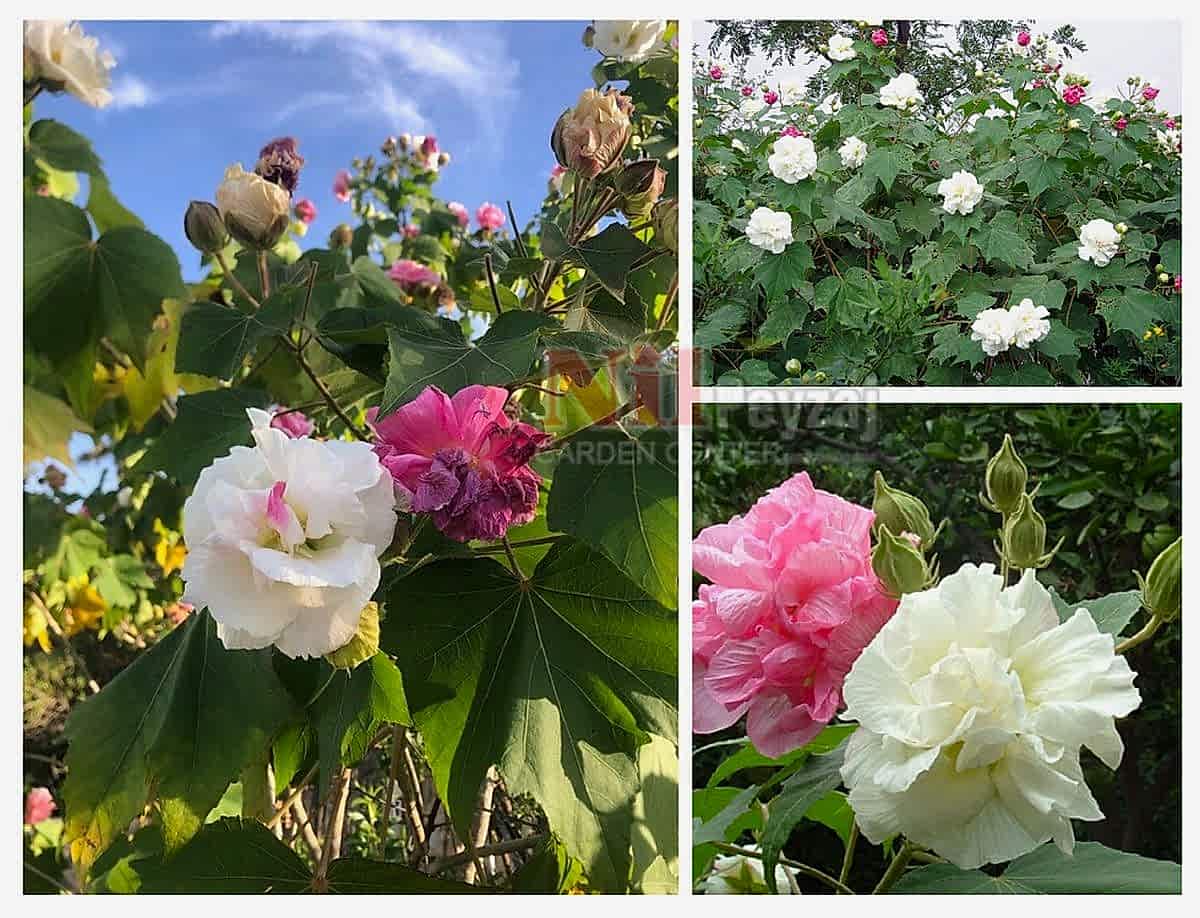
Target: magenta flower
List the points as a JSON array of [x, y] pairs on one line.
[[1121, 123], [39, 806], [716, 72], [747, 91], [295, 424], [1169, 124], [1038, 84], [879, 38], [412, 276], [1073, 94], [306, 211], [770, 97], [791, 603], [791, 131], [1178, 283], [460, 211], [1149, 93], [429, 146], [1024, 38], [489, 216], [411, 231], [341, 186], [463, 460]]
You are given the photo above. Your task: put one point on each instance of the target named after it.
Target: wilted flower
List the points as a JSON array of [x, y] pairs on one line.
[[631, 40], [39, 805], [1120, 124], [902, 92], [793, 159], [341, 236], [294, 423], [747, 91], [556, 178], [1098, 242], [341, 186], [853, 152], [463, 460], [413, 276], [841, 48], [284, 539], [591, 137], [460, 212], [489, 216], [769, 229], [960, 193], [791, 91], [256, 211], [640, 184], [58, 53], [1023, 38], [791, 131], [306, 211], [411, 231], [1149, 93], [280, 162]]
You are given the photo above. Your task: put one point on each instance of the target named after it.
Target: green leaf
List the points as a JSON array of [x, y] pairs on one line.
[[208, 425], [107, 212], [1111, 613], [719, 326], [377, 288], [1135, 311], [729, 820], [551, 869], [62, 147], [176, 726], [656, 819], [782, 273], [1076, 500], [611, 255], [1041, 172], [47, 425], [782, 319], [885, 163], [363, 646], [619, 494], [429, 351], [1092, 869], [555, 680], [1001, 240], [229, 856], [215, 339], [359, 876], [817, 777]]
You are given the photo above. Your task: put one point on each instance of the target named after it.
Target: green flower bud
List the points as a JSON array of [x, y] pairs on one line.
[[1005, 478], [665, 217], [901, 512], [1025, 536], [1163, 277], [640, 185], [341, 237], [1160, 268], [1162, 589], [899, 565], [204, 228], [794, 367], [1121, 228]]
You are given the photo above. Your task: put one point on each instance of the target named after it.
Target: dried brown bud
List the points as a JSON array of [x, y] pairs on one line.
[[640, 185], [280, 162]]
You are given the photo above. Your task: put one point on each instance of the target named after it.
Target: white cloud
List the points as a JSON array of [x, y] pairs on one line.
[[132, 92]]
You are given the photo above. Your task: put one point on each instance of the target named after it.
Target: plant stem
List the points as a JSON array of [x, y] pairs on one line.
[[896, 868], [504, 847], [233, 281], [336, 826], [512, 560], [491, 279], [1148, 631], [264, 275], [805, 869], [325, 393], [291, 798], [848, 859]]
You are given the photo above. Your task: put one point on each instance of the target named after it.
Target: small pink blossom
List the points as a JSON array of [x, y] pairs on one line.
[[791, 131], [341, 186], [489, 216], [39, 806], [412, 275], [460, 211], [1178, 283], [1169, 124], [306, 211], [1038, 84], [411, 231], [1121, 123], [293, 423], [770, 97], [879, 38], [716, 72], [792, 601], [1024, 38], [429, 146], [1149, 93], [1073, 94], [462, 460], [747, 91]]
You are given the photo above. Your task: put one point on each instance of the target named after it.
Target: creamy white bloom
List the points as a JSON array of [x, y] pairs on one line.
[[1169, 141], [791, 92], [853, 152], [58, 51], [255, 211], [960, 193], [751, 106], [770, 229], [994, 330], [1030, 323], [831, 104], [901, 91], [974, 702], [1098, 242], [631, 40], [735, 874], [841, 48], [793, 159], [284, 540], [1053, 53]]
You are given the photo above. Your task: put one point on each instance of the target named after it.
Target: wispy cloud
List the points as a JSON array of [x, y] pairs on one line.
[[132, 92]]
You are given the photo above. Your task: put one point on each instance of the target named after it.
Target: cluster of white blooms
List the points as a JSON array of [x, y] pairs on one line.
[[997, 330], [902, 92], [631, 40], [974, 702], [841, 48], [831, 104], [1098, 242], [737, 874], [960, 193], [853, 152], [1169, 142], [770, 229], [751, 106], [793, 159], [58, 53], [791, 92]]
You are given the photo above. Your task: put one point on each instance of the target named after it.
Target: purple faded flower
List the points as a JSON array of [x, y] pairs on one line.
[[280, 162], [295, 424]]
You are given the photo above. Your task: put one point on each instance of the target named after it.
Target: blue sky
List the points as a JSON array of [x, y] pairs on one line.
[[192, 97]]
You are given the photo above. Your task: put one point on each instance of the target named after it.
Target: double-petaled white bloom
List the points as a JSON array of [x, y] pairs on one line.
[[841, 48], [793, 159], [751, 107], [770, 229], [960, 193], [973, 703], [736, 874], [791, 92], [631, 40], [1098, 242], [1030, 323], [994, 330], [902, 92], [853, 152], [58, 52], [284, 540], [831, 104]]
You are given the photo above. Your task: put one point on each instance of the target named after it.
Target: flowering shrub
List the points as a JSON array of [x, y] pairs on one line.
[[392, 546], [969, 697], [908, 220]]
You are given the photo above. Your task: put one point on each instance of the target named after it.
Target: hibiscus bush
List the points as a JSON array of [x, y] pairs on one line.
[[389, 560], [918, 692], [1021, 230]]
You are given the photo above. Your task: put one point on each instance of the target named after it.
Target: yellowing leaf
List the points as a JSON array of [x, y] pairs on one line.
[[145, 393], [48, 425]]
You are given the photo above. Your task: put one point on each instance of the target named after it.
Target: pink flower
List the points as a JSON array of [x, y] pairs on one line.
[[1149, 93], [791, 131], [1038, 84], [879, 38], [791, 603], [412, 275], [1169, 124], [293, 423], [489, 216], [178, 611], [460, 210], [716, 72], [411, 231], [39, 806], [747, 91], [306, 211], [770, 97], [1024, 38], [1073, 94], [1121, 123], [555, 173], [429, 146], [341, 186], [463, 460], [1178, 283]]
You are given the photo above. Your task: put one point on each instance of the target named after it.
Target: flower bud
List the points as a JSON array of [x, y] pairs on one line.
[[1005, 478], [591, 137], [341, 237], [901, 512], [1160, 267], [1121, 228], [898, 564], [640, 185], [794, 367], [1025, 536], [665, 217], [280, 162], [1162, 589], [1163, 277], [204, 228], [443, 158], [256, 211], [404, 141], [589, 35]]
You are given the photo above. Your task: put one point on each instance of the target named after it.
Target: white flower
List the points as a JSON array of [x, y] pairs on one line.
[[1054, 53], [853, 152], [255, 211], [831, 104], [974, 702], [735, 874], [993, 329], [631, 40], [793, 159], [960, 193], [57, 51], [902, 92], [1168, 142], [841, 48], [791, 92], [751, 106], [125, 497], [1098, 242], [738, 145], [1029, 323], [284, 540], [769, 229]]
